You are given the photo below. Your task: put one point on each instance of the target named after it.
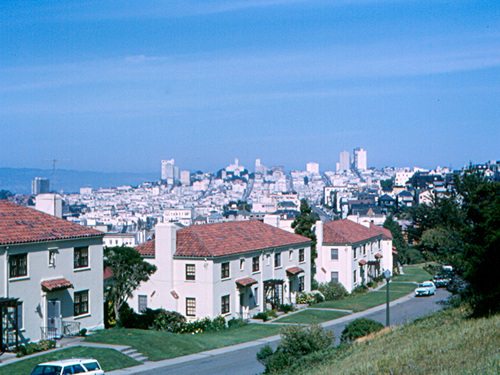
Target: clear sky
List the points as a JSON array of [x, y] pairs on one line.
[[119, 85]]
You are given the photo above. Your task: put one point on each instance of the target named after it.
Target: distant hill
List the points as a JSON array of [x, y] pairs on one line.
[[18, 180]]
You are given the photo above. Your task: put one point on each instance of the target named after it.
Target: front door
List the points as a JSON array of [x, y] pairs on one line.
[[54, 320]]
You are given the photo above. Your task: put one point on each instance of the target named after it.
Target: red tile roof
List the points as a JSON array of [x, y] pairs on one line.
[[221, 239], [348, 232], [294, 270], [107, 273], [56, 284], [386, 233], [20, 224], [246, 281]]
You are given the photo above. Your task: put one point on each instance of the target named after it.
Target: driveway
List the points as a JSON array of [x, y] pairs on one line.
[[241, 359]]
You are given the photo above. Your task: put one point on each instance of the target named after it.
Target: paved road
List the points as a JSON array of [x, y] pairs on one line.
[[243, 361]]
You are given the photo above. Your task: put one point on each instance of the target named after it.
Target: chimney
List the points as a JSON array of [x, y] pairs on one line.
[[319, 232]]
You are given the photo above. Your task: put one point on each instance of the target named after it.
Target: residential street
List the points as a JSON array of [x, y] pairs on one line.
[[225, 361]]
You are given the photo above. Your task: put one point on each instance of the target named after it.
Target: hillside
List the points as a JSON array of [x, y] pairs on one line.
[[444, 343]]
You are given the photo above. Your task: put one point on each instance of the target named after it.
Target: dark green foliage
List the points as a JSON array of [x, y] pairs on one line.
[[359, 328], [83, 332], [5, 194], [359, 290], [129, 270], [286, 308], [266, 315], [30, 348], [387, 185], [170, 321], [398, 240], [296, 342], [303, 225], [332, 291], [204, 325], [235, 323]]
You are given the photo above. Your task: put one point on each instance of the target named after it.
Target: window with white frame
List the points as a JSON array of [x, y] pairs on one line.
[[18, 265], [242, 264], [302, 255], [81, 303], [334, 276], [224, 304], [334, 254], [277, 260], [290, 255], [190, 272], [255, 264], [81, 257], [190, 306], [52, 257], [224, 270], [142, 303]]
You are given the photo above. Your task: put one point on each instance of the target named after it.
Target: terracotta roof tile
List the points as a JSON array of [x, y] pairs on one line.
[[20, 224], [348, 232], [246, 281], [294, 270], [220, 239], [56, 284], [386, 233]]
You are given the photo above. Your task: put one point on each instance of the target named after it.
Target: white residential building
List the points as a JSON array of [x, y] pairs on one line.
[[185, 178], [52, 272], [234, 269], [350, 253], [120, 239], [178, 215], [360, 161]]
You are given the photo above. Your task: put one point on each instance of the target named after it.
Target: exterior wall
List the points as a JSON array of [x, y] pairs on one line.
[[28, 289]]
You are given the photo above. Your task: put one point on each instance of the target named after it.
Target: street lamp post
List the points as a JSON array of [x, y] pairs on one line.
[[387, 277]]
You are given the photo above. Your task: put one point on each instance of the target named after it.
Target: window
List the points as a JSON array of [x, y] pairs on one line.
[[242, 264], [81, 257], [224, 270], [81, 303], [190, 306], [52, 258], [354, 249], [73, 369], [277, 260], [224, 304], [334, 277], [255, 264], [256, 295], [364, 249], [301, 283], [20, 323], [334, 254], [354, 278], [290, 255], [302, 257], [18, 265], [268, 259], [143, 303], [190, 272]]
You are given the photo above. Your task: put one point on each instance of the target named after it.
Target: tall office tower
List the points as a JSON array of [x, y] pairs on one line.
[[185, 178], [259, 167], [40, 185], [360, 159], [177, 173], [344, 161], [167, 171], [312, 168]]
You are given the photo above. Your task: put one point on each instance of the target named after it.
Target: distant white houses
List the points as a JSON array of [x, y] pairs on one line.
[[183, 216], [234, 269], [120, 239], [351, 253], [52, 274]]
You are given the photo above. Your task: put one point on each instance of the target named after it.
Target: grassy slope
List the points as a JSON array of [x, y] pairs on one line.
[[158, 345], [311, 316], [108, 358], [446, 343]]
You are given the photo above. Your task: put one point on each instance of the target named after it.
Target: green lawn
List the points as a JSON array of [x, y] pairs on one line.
[[157, 345], [311, 316], [405, 287], [108, 358], [414, 273]]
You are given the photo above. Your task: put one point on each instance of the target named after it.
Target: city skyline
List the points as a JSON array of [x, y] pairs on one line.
[[103, 88]]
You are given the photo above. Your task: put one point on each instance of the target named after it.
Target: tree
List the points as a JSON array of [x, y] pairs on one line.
[[5, 194], [303, 225], [129, 270], [387, 185]]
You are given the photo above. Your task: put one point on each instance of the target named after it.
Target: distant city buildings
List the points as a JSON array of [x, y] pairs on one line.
[[312, 168], [344, 161], [359, 161], [168, 171], [40, 185]]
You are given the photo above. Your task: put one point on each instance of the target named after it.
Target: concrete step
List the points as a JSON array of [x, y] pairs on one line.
[[134, 354]]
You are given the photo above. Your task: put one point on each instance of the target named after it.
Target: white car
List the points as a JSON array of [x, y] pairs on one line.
[[72, 366], [427, 288]]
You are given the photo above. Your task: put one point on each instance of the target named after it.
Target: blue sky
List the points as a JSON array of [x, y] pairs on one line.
[[120, 85]]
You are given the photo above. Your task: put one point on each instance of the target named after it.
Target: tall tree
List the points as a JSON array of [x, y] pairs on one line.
[[303, 225], [129, 270]]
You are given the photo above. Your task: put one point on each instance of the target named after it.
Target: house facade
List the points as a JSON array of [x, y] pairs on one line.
[[234, 269], [351, 253], [51, 279]]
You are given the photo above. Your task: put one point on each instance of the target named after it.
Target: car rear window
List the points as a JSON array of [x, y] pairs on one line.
[[92, 366], [46, 370], [73, 369]]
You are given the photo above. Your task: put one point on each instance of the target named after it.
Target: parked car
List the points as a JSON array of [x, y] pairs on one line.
[[441, 281], [72, 366], [427, 288]]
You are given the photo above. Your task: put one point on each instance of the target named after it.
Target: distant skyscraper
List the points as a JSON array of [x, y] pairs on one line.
[[360, 162], [186, 178], [259, 167], [40, 185], [168, 171], [312, 168], [344, 161]]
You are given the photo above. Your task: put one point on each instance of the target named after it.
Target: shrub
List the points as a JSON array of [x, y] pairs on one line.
[[360, 289], [332, 290], [359, 328], [262, 315], [286, 308], [30, 348], [235, 323], [305, 298], [296, 342], [204, 325], [170, 321], [83, 332]]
